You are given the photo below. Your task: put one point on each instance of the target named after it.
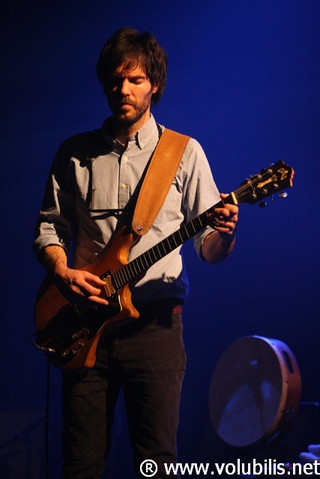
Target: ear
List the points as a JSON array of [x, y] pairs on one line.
[[155, 89]]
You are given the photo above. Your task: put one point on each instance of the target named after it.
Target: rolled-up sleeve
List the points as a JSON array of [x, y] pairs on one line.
[[201, 192], [54, 223]]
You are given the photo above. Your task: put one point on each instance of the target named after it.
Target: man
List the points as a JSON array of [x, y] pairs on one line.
[[89, 193]]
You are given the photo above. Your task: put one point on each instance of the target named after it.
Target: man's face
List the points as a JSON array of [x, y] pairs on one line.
[[129, 94]]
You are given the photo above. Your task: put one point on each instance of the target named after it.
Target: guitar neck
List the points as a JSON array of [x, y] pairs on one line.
[[142, 263], [252, 190]]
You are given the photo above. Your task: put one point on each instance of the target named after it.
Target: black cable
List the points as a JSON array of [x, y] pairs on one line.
[[47, 473]]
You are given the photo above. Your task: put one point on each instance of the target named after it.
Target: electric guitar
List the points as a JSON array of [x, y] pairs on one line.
[[69, 333]]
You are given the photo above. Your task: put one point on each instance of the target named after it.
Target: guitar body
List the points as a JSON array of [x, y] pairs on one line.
[[69, 333]]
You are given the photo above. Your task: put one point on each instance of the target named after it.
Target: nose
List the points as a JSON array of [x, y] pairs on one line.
[[125, 87]]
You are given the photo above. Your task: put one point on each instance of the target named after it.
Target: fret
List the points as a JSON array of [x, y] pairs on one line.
[[115, 280], [192, 225], [157, 251], [176, 239], [180, 236], [149, 255], [139, 264], [166, 246], [184, 234], [191, 230], [173, 242], [131, 267], [121, 276], [162, 251], [129, 272], [199, 224], [154, 254], [126, 274], [134, 268], [144, 262]]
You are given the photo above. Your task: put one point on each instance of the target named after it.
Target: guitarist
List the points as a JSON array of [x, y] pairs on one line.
[[90, 192]]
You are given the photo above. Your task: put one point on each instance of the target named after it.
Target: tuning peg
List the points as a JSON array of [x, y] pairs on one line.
[[283, 194]]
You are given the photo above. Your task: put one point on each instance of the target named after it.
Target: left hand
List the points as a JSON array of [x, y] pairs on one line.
[[225, 219]]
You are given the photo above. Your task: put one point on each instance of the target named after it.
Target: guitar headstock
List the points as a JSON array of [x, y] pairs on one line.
[[270, 180]]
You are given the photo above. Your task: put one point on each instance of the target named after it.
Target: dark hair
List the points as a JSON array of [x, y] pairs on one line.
[[131, 47]]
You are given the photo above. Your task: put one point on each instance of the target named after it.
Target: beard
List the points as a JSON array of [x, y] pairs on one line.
[[128, 118], [127, 113]]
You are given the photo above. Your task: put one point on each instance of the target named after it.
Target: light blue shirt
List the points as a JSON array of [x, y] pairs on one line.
[[90, 184]]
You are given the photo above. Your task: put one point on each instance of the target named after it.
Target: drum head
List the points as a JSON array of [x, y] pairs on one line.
[[254, 392]]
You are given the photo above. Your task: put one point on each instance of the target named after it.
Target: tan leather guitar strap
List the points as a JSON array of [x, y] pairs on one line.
[[158, 179]]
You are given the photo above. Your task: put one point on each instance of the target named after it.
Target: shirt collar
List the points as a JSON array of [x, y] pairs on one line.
[[146, 133]]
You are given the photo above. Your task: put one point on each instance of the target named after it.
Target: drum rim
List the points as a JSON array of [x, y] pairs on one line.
[[290, 394]]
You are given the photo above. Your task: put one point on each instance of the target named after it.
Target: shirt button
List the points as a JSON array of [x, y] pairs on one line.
[[123, 186], [125, 158]]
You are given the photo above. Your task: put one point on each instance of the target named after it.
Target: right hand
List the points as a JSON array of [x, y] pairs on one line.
[[80, 283]]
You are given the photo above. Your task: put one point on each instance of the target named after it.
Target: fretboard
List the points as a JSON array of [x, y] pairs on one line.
[[142, 263]]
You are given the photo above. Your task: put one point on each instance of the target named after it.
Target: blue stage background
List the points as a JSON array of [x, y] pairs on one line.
[[244, 80]]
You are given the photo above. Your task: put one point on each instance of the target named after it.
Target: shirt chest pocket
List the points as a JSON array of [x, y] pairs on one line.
[[171, 213], [101, 189]]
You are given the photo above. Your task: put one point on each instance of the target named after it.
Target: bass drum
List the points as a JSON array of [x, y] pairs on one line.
[[254, 392]]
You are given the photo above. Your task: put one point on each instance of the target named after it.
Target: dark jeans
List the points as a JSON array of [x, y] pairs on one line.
[[147, 360]]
